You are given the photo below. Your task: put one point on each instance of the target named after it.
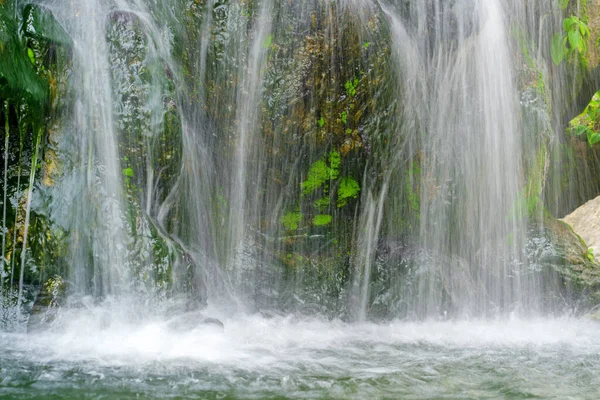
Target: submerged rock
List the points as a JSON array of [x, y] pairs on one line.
[[194, 320]]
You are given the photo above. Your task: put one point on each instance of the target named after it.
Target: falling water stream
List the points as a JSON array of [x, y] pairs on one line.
[[221, 219]]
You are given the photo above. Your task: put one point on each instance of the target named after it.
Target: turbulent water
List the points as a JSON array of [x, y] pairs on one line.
[[102, 355]]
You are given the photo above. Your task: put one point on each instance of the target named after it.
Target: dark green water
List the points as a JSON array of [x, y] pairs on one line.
[[103, 357]]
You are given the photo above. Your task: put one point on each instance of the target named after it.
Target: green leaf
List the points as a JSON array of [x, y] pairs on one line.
[[348, 189], [321, 122], [344, 117], [317, 175], [128, 172], [569, 22], [557, 50], [31, 55], [575, 39], [593, 138], [322, 220], [579, 130], [291, 220]]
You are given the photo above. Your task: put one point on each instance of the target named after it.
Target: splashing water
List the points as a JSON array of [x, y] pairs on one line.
[[104, 353]]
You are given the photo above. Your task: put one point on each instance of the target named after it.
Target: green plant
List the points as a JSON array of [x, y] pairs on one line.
[[588, 122], [571, 41], [350, 87], [291, 220], [322, 220], [324, 174], [590, 254], [348, 189], [320, 172]]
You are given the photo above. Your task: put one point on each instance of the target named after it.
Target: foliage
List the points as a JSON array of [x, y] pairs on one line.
[[571, 41], [344, 117], [322, 220], [588, 122], [350, 87], [128, 172], [291, 220], [348, 189], [320, 172], [18, 74]]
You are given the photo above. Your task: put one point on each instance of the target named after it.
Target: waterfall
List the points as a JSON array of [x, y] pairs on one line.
[[97, 213], [356, 158], [473, 225]]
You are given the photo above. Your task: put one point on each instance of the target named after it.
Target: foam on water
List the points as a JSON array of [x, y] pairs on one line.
[[255, 341], [105, 352]]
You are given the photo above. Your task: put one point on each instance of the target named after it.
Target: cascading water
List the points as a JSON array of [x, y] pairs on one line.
[[462, 126], [246, 175], [96, 207], [175, 170]]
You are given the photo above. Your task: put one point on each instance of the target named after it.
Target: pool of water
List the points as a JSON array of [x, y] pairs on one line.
[[98, 356]]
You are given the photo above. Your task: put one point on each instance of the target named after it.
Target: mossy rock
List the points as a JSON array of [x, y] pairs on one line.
[[572, 259]]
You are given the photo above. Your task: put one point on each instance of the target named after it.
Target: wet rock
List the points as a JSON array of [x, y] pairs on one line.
[[560, 248], [47, 304], [585, 222]]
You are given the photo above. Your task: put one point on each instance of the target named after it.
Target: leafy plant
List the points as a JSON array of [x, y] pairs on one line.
[[350, 87], [320, 172], [348, 189], [571, 41], [588, 122], [291, 220], [322, 219]]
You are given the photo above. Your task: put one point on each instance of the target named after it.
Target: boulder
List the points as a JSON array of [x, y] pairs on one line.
[[567, 253], [585, 222]]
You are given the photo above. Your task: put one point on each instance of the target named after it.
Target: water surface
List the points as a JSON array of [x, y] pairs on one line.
[[287, 357]]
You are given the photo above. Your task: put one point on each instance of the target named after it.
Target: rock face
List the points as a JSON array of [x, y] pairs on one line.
[[585, 221]]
